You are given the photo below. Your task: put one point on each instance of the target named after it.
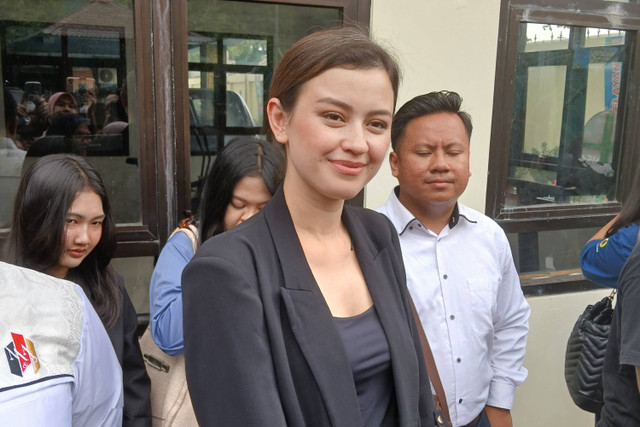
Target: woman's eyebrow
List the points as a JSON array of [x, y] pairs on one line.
[[83, 217], [344, 105]]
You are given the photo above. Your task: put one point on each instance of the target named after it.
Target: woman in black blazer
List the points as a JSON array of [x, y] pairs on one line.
[[300, 315]]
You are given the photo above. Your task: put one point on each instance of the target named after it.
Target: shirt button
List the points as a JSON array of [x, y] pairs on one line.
[[452, 317], [411, 227], [460, 401], [445, 277], [458, 360]]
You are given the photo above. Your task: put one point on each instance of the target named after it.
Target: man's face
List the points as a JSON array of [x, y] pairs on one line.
[[432, 165]]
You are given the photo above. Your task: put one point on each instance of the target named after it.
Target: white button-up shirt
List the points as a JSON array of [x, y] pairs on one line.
[[466, 289]]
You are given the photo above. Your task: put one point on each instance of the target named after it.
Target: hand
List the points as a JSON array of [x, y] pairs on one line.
[[40, 117], [22, 111], [498, 417], [41, 111], [91, 99]]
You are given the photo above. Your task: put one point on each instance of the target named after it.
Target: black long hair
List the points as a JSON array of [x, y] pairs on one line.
[[243, 156], [37, 238], [630, 211]]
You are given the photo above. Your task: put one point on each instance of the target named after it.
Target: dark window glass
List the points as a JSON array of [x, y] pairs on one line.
[[87, 50]]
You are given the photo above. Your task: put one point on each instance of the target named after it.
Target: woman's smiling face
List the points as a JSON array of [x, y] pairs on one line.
[[338, 132]]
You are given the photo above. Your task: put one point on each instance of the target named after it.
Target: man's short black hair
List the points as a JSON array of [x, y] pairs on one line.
[[422, 105]]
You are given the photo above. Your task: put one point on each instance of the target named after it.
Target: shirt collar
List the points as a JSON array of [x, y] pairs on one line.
[[402, 218]]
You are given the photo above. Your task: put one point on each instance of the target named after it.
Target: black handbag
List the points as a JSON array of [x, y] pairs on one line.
[[584, 357]]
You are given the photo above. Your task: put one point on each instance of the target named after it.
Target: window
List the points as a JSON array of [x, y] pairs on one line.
[[564, 113], [86, 51], [193, 75], [227, 77], [89, 50], [233, 48]]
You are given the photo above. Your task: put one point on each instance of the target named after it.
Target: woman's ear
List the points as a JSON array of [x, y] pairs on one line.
[[277, 120]]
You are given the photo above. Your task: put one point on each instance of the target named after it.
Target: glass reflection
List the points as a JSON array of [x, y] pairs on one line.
[[564, 137], [67, 66]]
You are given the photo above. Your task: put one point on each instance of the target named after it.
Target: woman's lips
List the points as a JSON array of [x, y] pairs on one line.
[[347, 167], [77, 253]]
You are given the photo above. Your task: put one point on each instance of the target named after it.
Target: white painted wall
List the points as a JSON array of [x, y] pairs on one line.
[[543, 399], [452, 45], [443, 45]]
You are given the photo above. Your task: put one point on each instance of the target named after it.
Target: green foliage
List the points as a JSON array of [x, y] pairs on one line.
[[248, 52], [545, 150]]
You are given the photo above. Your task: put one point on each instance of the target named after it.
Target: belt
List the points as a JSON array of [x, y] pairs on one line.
[[474, 421]]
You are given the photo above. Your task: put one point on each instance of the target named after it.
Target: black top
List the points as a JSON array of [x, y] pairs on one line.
[[136, 383], [621, 397], [368, 352]]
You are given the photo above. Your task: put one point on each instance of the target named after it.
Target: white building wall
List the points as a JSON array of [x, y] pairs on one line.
[[452, 45], [443, 45]]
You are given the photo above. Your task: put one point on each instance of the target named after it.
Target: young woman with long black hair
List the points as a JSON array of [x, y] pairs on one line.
[[63, 226]]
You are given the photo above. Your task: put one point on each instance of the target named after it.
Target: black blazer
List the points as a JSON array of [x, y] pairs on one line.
[[261, 345], [137, 386]]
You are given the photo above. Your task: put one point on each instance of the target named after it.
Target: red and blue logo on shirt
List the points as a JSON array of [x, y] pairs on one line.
[[21, 354]]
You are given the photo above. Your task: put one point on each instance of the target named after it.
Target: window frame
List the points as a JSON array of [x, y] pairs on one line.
[[592, 13]]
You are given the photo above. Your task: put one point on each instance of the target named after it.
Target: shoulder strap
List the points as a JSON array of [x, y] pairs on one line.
[[432, 370], [187, 226], [190, 231]]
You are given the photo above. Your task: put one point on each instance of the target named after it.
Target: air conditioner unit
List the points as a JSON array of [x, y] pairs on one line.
[[107, 76]]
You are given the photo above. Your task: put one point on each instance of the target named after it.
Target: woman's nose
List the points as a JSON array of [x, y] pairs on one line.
[[82, 236], [356, 140]]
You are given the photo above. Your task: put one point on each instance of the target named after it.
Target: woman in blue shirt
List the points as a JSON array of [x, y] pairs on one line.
[[606, 252], [242, 179]]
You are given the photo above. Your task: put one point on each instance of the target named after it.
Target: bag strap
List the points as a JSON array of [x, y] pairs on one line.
[[440, 398], [187, 226]]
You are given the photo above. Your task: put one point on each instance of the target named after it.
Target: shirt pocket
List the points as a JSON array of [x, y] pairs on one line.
[[482, 297]]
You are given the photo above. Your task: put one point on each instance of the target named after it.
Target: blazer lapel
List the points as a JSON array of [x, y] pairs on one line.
[[312, 324], [378, 270]]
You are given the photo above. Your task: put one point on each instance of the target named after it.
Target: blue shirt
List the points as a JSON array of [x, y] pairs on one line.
[[602, 259], [165, 294]]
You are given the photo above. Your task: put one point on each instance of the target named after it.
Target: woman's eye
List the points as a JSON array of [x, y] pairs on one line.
[[98, 223], [379, 124], [333, 116], [70, 221]]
